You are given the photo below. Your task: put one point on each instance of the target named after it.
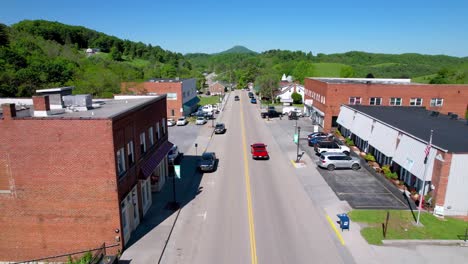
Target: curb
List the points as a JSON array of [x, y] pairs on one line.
[[415, 242]]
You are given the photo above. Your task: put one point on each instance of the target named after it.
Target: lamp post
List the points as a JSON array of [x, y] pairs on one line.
[[174, 205], [298, 139]]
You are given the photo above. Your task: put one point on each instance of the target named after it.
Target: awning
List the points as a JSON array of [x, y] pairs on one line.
[[362, 126], [346, 117], [153, 161], [384, 139], [191, 105], [410, 155]]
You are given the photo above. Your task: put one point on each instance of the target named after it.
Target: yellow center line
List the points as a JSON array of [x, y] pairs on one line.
[[253, 246], [336, 230]]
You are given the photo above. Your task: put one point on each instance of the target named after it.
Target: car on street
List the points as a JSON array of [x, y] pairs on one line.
[[316, 134], [236, 98], [253, 101], [200, 120], [173, 154], [317, 139], [259, 151], [171, 122], [251, 95], [208, 161], [331, 146], [331, 161], [292, 115], [270, 114], [182, 121], [220, 128]]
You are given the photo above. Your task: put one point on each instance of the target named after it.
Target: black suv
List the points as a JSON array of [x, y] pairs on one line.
[[220, 128], [251, 95], [236, 98]]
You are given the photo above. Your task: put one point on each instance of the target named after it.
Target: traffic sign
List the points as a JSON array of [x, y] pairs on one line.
[[177, 171]]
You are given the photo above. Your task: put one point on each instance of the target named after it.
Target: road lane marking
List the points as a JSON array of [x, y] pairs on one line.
[[253, 246], [338, 234]]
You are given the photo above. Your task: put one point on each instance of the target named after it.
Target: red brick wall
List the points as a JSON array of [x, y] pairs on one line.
[[455, 96], [440, 177], [216, 88], [159, 88], [64, 195]]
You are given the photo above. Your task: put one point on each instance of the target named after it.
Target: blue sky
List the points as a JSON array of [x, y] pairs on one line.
[[397, 26]]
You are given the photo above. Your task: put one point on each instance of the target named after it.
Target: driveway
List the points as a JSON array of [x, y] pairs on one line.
[[361, 189]]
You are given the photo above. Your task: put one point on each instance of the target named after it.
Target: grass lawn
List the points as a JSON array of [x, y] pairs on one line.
[[204, 100], [423, 79], [400, 226], [328, 69]]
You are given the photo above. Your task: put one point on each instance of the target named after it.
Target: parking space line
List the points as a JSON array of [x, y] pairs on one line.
[[335, 229]]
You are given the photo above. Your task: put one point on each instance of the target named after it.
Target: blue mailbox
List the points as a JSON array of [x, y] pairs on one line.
[[344, 221]]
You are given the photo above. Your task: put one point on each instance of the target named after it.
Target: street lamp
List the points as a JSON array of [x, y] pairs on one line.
[[298, 139], [174, 205]]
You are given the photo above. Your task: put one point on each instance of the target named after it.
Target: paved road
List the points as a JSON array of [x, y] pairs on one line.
[[251, 211]]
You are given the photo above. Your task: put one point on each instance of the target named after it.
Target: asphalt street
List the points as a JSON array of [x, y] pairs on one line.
[[251, 211]]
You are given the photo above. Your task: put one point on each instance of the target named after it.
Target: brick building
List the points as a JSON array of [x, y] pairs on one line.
[[73, 179], [399, 136], [324, 96], [216, 88], [181, 94]]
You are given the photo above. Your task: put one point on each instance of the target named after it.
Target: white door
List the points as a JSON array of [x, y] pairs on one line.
[[125, 222]]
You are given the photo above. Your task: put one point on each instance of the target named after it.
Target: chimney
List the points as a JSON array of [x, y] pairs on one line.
[[9, 111], [41, 105]]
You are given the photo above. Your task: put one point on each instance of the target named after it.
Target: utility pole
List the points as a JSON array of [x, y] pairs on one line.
[[298, 139]]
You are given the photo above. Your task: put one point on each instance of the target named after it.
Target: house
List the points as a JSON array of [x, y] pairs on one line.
[[285, 93], [323, 97], [181, 94], [399, 136], [76, 177], [217, 88]]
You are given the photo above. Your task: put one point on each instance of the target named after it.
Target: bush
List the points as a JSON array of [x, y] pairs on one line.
[[349, 142], [338, 133], [369, 157], [388, 173], [297, 98]]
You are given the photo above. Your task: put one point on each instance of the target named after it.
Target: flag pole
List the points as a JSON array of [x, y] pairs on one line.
[[427, 151]]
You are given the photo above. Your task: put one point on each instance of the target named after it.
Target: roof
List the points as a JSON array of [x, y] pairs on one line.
[[58, 89], [104, 109], [168, 79], [363, 81], [449, 134]]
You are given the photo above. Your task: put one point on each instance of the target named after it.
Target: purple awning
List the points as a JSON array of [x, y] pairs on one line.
[[153, 161]]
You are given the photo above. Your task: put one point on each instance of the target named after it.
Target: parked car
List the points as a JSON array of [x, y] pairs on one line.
[[316, 134], [208, 93], [220, 128], [200, 120], [251, 95], [333, 161], [270, 114], [253, 101], [292, 115], [317, 139], [208, 161], [173, 154], [331, 146], [236, 98], [182, 121], [207, 108], [259, 151], [171, 122]]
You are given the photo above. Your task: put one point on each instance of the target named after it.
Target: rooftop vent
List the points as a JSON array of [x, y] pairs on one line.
[[434, 113], [80, 102], [454, 116]]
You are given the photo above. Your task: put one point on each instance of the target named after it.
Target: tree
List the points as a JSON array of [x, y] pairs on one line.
[[297, 98], [115, 54], [268, 84], [370, 75], [4, 38]]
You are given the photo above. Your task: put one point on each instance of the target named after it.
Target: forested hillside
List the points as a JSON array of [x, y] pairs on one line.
[[40, 54]]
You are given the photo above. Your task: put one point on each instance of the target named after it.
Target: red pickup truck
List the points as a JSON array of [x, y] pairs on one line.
[[259, 151]]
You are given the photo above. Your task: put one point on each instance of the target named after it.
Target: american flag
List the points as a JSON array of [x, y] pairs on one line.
[[428, 149]]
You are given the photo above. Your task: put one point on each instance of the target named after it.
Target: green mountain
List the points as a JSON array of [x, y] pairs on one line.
[[239, 50]]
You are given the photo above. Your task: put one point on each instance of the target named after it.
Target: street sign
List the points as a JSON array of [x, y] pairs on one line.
[[296, 138], [177, 171]]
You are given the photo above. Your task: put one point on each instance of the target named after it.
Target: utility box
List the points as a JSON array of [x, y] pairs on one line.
[[344, 221]]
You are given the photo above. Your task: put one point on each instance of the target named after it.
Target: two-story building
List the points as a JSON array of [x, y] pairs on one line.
[[324, 96], [74, 178], [181, 94]]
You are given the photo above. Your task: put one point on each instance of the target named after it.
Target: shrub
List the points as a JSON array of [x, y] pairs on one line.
[[297, 98], [369, 157], [338, 133], [349, 142]]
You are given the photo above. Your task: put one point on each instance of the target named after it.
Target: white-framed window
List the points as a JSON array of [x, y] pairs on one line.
[[164, 122], [158, 131], [142, 143], [120, 161], [171, 96], [131, 152], [144, 195], [416, 101], [355, 100], [375, 101], [437, 101], [151, 136], [395, 101]]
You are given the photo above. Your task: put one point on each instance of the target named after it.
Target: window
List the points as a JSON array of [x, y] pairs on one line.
[[121, 161], [144, 196], [416, 101], [151, 136], [375, 101], [437, 102], [355, 100], [395, 101], [131, 153], [158, 132], [142, 143], [172, 112], [171, 96], [164, 126]]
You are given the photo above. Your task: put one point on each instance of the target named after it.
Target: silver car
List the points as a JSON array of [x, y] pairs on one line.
[[333, 160]]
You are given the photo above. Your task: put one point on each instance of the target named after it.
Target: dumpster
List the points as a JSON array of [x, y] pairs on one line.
[[344, 221]]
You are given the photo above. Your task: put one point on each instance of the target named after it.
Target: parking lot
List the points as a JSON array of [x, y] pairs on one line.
[[361, 189]]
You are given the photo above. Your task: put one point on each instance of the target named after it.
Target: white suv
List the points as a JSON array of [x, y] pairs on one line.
[[331, 146]]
